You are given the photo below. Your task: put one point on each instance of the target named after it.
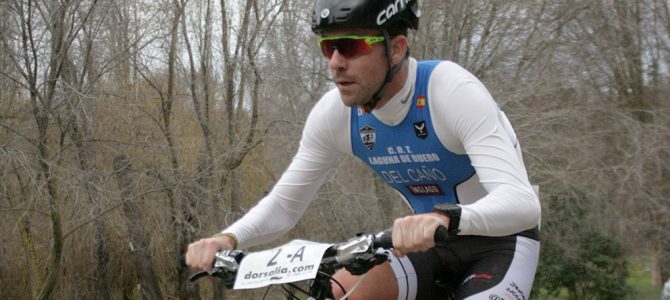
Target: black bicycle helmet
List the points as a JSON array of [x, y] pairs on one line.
[[368, 14], [391, 17]]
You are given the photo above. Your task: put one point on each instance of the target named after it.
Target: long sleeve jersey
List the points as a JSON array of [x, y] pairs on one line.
[[477, 162]]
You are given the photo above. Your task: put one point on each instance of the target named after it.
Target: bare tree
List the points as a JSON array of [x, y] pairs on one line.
[[241, 64], [29, 64], [135, 226], [201, 95], [615, 45]]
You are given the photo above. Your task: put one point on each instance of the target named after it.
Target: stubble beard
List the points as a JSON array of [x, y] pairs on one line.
[[359, 96]]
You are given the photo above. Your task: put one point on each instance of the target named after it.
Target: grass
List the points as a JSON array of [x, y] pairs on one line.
[[639, 279]]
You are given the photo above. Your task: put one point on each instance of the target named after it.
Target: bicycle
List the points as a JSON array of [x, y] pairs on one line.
[[357, 255]]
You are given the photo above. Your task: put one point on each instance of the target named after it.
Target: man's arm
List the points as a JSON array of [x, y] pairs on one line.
[[281, 209], [468, 120], [325, 135]]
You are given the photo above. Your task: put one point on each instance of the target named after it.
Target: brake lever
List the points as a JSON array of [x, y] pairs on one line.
[[201, 274], [360, 266], [353, 248]]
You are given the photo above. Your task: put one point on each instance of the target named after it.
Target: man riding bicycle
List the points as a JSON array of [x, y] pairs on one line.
[[433, 132]]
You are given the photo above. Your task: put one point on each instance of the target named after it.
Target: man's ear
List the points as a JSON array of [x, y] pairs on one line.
[[399, 46]]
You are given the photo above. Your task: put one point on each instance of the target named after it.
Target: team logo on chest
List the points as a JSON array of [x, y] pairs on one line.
[[421, 130], [368, 136]]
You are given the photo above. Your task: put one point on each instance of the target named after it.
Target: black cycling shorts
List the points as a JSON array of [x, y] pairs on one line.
[[471, 267]]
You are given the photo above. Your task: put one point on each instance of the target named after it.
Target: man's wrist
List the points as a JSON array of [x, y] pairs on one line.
[[443, 218], [231, 236], [453, 212]]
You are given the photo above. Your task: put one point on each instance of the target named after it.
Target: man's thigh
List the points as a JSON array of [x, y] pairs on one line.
[[378, 283], [501, 275], [469, 268]]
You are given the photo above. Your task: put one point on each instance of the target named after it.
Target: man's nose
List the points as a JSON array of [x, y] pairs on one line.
[[337, 61]]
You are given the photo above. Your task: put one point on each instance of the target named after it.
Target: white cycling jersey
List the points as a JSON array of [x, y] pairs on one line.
[[497, 201], [665, 295]]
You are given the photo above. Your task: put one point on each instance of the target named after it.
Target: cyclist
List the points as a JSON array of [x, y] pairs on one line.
[[433, 132]]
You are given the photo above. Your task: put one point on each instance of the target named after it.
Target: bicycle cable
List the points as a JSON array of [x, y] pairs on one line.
[[266, 292], [338, 284], [290, 293], [358, 283]]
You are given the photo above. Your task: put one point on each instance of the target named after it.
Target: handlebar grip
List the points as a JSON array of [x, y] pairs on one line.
[[198, 275], [441, 236], [384, 239]]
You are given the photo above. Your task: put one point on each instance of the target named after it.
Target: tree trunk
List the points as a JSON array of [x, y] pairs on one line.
[[86, 153], [92, 181], [138, 235], [655, 265], [185, 217], [25, 226], [42, 109]]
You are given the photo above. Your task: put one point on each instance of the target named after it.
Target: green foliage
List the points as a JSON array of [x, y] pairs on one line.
[[587, 263], [605, 267]]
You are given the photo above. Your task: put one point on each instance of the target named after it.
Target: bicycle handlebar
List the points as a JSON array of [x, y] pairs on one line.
[[225, 267], [357, 255], [384, 239]]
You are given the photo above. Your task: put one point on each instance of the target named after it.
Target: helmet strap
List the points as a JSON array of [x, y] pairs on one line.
[[392, 70]]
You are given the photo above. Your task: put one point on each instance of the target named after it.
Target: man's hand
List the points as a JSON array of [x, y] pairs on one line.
[[416, 233], [200, 254]]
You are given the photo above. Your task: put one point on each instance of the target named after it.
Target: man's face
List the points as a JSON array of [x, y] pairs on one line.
[[358, 77]]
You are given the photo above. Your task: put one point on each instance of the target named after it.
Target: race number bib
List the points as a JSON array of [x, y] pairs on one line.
[[295, 261]]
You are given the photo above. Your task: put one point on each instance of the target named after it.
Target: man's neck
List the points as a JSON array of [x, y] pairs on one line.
[[397, 107], [395, 85]]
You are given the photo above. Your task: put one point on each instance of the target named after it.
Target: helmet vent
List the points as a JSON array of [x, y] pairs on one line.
[[344, 15]]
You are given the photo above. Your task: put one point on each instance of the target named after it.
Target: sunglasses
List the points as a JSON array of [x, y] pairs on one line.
[[347, 45]]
